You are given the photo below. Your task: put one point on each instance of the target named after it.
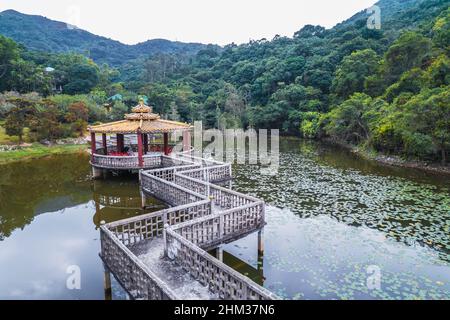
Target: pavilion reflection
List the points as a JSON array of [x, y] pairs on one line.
[[116, 200]]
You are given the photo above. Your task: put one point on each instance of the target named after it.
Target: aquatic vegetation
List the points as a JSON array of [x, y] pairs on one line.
[[409, 211], [331, 216]]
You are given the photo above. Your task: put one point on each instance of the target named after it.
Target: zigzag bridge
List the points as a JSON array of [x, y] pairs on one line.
[[163, 255]]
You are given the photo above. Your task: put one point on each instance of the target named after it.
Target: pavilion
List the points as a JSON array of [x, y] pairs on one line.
[[143, 126]]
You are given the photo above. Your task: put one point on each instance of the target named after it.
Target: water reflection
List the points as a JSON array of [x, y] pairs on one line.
[[50, 210], [254, 271], [119, 198], [31, 188], [331, 215]]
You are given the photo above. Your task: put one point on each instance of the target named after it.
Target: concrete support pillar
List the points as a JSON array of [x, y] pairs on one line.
[[166, 143], [261, 241], [107, 285], [140, 150], [105, 147], [96, 172], [143, 200], [260, 264]]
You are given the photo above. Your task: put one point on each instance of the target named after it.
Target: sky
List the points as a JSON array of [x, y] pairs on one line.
[[206, 21]]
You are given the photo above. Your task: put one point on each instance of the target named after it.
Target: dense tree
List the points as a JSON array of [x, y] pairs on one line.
[[407, 52], [353, 71], [18, 117], [349, 121], [9, 52], [15, 123], [82, 79], [381, 89], [441, 31], [426, 118]]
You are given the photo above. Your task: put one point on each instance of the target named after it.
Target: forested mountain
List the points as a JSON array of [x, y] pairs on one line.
[[386, 90], [41, 34], [382, 89]]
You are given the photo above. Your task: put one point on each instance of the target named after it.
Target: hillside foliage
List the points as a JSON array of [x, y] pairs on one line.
[[385, 89]]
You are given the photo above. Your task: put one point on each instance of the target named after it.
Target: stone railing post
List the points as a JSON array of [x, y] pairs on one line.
[[263, 213], [221, 225], [245, 291], [166, 246]]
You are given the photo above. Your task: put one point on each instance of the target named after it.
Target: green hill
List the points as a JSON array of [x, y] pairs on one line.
[[41, 34]]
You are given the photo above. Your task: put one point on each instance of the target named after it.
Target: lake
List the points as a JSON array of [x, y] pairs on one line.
[[338, 227]]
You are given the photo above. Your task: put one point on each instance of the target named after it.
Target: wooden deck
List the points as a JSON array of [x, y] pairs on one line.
[[203, 215]]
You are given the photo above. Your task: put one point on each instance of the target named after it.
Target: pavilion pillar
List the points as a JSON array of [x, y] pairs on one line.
[[105, 147], [186, 140], [119, 142], [145, 143], [140, 149], [93, 145], [166, 143]]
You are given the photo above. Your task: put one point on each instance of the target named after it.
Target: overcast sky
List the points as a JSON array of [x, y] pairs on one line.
[[206, 21]]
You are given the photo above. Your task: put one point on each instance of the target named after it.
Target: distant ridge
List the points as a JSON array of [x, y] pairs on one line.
[[43, 34]]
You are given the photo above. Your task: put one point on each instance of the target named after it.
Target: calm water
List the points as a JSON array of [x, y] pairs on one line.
[[333, 220]]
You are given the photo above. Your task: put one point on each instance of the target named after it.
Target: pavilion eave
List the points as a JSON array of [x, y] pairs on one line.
[[142, 126]]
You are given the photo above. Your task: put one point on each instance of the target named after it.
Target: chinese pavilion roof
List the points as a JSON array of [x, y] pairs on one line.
[[140, 120]]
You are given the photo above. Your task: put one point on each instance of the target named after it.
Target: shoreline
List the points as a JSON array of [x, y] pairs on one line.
[[37, 151], [391, 160]]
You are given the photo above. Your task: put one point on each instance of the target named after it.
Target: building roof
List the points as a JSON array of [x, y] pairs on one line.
[[140, 120]]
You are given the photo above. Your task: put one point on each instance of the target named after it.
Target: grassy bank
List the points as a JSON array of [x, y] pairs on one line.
[[38, 151]]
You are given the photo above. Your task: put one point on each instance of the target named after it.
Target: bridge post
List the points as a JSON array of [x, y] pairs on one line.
[[107, 284], [165, 238], [96, 172], [143, 198], [261, 241]]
